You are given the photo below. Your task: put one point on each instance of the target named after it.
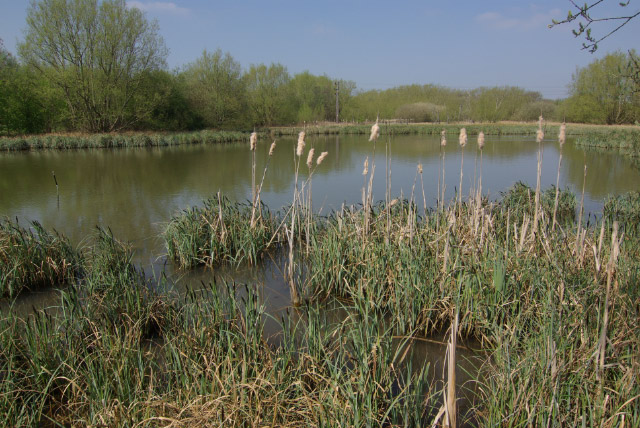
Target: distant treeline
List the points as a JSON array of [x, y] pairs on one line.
[[67, 79]]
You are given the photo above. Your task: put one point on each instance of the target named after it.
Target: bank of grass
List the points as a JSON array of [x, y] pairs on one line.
[[88, 141], [32, 257], [118, 352], [501, 128]]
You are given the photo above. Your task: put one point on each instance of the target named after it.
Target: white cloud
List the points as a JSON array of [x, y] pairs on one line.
[[159, 6], [528, 20]]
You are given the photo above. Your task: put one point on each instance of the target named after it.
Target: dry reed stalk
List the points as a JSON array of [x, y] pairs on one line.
[[253, 140], [539, 138], [561, 140], [309, 208], [579, 231], [478, 193], [450, 396], [290, 233], [613, 257], [388, 186], [424, 199], [443, 144], [462, 139], [264, 173]]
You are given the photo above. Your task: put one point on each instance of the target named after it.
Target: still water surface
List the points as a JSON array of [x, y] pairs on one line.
[[136, 191]]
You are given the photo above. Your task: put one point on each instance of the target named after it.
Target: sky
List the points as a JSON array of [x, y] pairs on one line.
[[378, 44]]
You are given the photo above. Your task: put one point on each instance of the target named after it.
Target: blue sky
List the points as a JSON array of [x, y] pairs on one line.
[[459, 44]]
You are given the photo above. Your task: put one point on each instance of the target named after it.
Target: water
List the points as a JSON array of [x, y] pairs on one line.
[[136, 191]]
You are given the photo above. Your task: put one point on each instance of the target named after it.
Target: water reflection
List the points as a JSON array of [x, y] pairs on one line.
[[136, 191]]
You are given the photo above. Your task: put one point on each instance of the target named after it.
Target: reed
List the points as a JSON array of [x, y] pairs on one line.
[[94, 141], [130, 355], [463, 142], [561, 140], [219, 231], [32, 258], [536, 214]]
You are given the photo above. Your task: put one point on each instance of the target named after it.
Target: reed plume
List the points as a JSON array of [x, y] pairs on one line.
[[264, 173], [375, 132], [322, 156], [253, 139], [310, 158], [301, 143]]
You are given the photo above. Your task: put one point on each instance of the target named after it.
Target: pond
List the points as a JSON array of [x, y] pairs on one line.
[[136, 191]]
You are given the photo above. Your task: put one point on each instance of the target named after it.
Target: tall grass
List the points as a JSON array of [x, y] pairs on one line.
[[33, 257], [220, 231], [126, 354], [87, 141]]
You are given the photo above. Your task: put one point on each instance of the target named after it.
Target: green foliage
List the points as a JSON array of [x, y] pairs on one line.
[[420, 112], [268, 90], [98, 54], [482, 104], [215, 91], [603, 92]]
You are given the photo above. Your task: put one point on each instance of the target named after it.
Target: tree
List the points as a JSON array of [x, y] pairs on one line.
[[99, 55], [586, 20], [601, 93], [29, 104], [269, 94], [215, 89]]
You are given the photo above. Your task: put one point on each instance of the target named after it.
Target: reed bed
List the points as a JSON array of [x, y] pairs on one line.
[[89, 141], [535, 301], [220, 231], [626, 209], [583, 132], [127, 354], [31, 258]]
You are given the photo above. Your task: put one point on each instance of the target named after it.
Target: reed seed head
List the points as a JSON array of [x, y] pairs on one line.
[[562, 135], [539, 135], [463, 137], [301, 143], [253, 139], [272, 148], [481, 140], [375, 132], [310, 158], [365, 171], [321, 157], [443, 138]]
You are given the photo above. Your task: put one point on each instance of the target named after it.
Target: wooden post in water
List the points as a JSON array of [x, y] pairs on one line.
[[55, 180]]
